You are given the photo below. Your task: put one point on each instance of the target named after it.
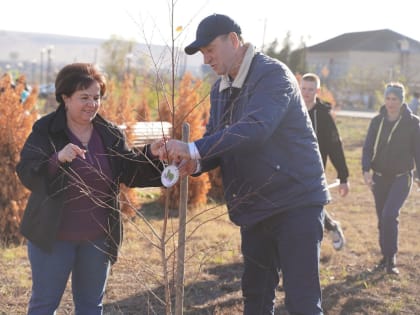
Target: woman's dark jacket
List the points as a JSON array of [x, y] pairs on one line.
[[403, 148], [329, 141], [41, 218]]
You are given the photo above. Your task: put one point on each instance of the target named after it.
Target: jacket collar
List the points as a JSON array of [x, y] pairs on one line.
[[404, 111], [319, 104], [59, 122], [242, 73]]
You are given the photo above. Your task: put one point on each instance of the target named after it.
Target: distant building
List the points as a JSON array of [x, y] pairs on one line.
[[369, 58]]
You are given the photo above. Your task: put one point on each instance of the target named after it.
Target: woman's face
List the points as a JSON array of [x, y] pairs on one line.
[[83, 105], [392, 104]]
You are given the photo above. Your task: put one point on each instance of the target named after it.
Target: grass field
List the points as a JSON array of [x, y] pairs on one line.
[[213, 262]]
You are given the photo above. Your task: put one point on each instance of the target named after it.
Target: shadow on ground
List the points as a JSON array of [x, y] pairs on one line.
[[219, 291], [350, 296], [202, 297], [222, 295]]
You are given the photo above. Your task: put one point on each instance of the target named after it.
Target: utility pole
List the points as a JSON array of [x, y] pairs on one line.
[[263, 36]]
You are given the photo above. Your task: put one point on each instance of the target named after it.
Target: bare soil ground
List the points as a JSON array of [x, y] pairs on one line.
[[350, 283]]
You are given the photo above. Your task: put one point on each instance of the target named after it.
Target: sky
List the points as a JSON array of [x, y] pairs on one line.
[[262, 21]]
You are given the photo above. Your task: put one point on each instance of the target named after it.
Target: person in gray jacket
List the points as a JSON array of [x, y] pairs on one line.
[[261, 136], [390, 153]]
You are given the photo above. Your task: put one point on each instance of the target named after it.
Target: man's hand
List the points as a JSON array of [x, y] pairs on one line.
[[367, 176], [343, 189], [174, 150], [187, 167], [156, 145]]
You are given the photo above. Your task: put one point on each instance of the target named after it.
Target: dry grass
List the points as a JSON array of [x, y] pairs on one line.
[[213, 268]]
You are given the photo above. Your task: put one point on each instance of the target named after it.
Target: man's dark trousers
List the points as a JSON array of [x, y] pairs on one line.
[[288, 242]]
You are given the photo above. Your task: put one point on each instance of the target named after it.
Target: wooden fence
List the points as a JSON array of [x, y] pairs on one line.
[[147, 131]]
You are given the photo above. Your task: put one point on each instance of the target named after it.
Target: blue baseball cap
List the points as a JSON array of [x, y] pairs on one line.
[[209, 28]]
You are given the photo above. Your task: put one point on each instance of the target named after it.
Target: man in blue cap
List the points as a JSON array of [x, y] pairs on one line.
[[260, 134]]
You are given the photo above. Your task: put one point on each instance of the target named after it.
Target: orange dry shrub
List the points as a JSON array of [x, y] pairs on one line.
[[16, 120], [326, 95], [143, 108], [216, 192], [119, 108], [189, 109]]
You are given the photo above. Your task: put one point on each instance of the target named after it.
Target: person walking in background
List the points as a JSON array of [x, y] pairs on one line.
[[414, 103], [391, 149], [260, 134], [330, 145], [73, 163]]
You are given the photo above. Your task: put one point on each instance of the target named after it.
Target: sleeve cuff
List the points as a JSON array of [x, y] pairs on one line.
[[148, 153], [198, 167], [194, 154]]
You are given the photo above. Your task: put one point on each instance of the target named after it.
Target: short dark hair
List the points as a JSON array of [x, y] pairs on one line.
[[75, 77]]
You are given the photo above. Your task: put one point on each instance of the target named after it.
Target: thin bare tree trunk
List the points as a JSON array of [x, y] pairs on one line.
[[166, 282], [183, 200]]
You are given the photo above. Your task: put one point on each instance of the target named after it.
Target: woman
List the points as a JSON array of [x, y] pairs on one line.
[[392, 145], [73, 163]]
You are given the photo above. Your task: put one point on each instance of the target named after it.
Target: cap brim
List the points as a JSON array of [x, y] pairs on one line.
[[195, 46]]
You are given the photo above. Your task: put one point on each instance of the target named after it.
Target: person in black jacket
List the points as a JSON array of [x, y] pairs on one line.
[[390, 151], [73, 163], [330, 146]]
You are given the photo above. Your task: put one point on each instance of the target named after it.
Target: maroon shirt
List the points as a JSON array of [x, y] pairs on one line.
[[85, 210]]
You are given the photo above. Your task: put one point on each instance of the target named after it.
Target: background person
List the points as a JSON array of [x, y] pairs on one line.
[[330, 146], [73, 163], [260, 134], [414, 103], [391, 147]]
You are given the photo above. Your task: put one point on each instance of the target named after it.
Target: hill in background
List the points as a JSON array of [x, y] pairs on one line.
[[28, 52]]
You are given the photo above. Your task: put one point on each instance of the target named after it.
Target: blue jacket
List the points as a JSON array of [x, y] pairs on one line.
[[266, 147]]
